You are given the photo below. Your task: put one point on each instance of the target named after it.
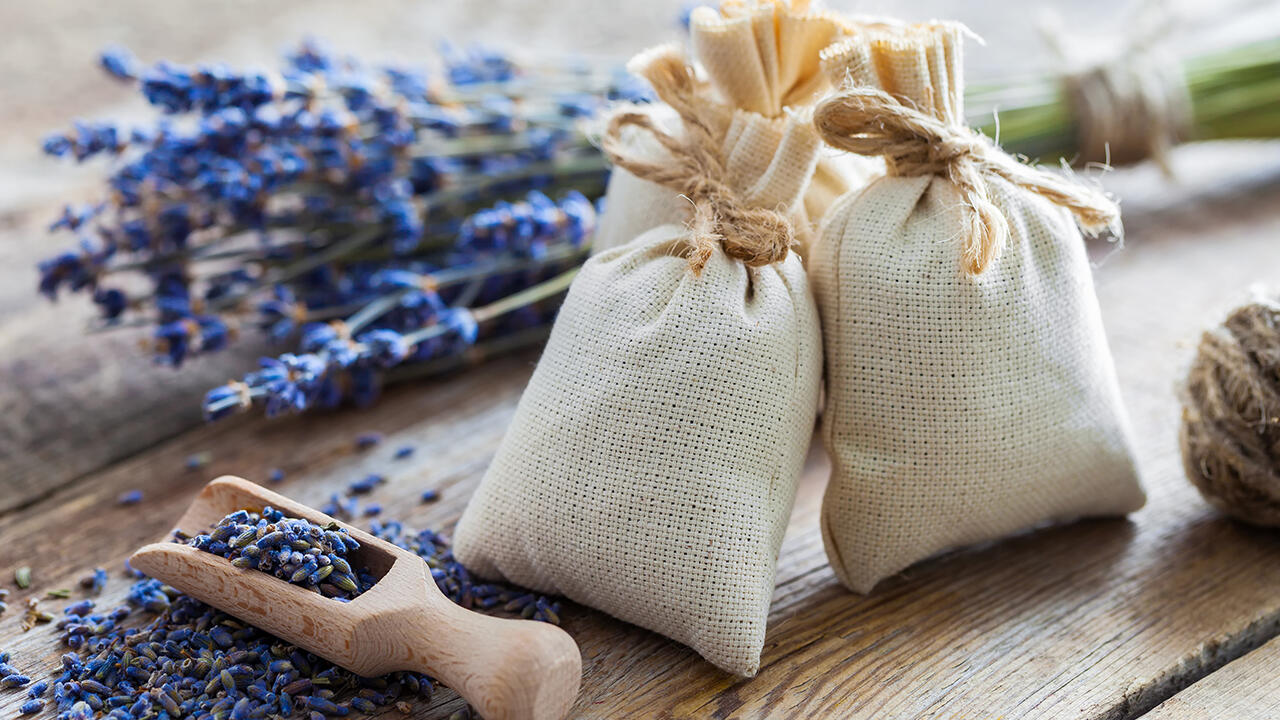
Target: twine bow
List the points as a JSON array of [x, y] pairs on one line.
[[869, 121], [756, 236]]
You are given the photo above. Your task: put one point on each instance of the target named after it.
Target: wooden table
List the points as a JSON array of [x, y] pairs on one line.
[[1169, 614], [1100, 619]]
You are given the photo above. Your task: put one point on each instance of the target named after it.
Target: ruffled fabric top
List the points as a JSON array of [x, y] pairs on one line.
[[762, 63]]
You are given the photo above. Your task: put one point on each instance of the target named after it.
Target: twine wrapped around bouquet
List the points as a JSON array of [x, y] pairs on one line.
[[757, 236], [870, 121], [1231, 415], [1141, 99]]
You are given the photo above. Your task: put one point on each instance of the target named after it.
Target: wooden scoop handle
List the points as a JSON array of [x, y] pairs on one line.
[[507, 669]]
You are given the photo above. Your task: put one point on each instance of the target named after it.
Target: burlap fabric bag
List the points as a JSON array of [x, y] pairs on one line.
[[762, 61], [650, 468], [970, 390]]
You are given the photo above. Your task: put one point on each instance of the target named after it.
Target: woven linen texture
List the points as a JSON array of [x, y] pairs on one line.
[[763, 61], [650, 468], [958, 408]]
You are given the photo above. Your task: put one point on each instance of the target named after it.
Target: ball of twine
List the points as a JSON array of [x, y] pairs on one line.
[[1231, 415]]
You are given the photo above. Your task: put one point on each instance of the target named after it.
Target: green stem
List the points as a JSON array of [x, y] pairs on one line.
[[528, 296]]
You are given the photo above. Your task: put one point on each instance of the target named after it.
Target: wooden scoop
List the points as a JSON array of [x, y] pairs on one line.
[[507, 669]]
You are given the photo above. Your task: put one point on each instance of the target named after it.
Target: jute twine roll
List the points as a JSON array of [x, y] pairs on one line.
[[1231, 415]]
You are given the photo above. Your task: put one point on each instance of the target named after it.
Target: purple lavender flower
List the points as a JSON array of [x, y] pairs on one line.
[[384, 348], [119, 63], [110, 301], [372, 200], [477, 64], [366, 440], [179, 339], [280, 313], [365, 485]]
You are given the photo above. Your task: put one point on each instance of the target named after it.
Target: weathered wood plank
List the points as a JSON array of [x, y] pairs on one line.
[[1102, 619], [1245, 689], [454, 425]]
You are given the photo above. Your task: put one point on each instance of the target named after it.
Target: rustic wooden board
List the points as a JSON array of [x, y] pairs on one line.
[[1102, 619], [1244, 689]]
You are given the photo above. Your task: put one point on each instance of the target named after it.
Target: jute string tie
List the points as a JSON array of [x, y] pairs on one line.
[[869, 121], [756, 236], [1231, 415]]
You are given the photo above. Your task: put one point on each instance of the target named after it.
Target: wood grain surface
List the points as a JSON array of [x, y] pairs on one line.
[[1244, 689], [1101, 619]]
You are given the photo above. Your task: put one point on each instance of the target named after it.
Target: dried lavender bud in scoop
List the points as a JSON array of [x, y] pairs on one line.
[[296, 550]]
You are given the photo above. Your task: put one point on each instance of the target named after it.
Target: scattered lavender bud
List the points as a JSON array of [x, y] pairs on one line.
[[22, 577], [403, 452], [132, 497], [275, 476], [38, 689], [198, 460], [366, 440], [119, 63], [340, 507], [84, 607], [365, 485], [31, 707], [95, 581], [129, 571], [14, 681], [372, 509], [430, 496]]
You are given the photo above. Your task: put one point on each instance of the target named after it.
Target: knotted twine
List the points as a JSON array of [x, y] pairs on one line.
[[1231, 415], [756, 236], [869, 121]]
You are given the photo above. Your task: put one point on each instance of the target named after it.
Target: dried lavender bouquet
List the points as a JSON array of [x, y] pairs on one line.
[[1136, 106], [375, 218]]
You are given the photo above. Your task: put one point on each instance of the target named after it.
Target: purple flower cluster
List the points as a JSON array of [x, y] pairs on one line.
[[366, 213], [406, 313]]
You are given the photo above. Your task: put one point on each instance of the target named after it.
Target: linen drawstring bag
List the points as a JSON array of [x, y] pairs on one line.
[[970, 390], [650, 468], [760, 58]]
